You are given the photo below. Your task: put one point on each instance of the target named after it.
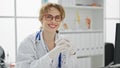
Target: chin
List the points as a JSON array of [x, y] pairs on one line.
[[52, 30]]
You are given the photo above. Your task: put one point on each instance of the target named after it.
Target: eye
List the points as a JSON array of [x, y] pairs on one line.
[[49, 16], [58, 17]]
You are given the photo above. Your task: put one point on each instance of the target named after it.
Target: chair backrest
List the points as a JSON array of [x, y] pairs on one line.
[[117, 45], [109, 53]]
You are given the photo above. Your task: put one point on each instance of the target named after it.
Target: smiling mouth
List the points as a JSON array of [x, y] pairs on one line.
[[52, 25]]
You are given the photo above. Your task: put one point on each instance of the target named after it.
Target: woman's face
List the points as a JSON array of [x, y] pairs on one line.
[[51, 20]]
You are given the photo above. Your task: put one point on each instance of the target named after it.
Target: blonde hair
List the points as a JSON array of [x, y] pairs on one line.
[[45, 9]]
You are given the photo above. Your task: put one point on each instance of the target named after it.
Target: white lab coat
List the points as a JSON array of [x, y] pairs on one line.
[[30, 55]]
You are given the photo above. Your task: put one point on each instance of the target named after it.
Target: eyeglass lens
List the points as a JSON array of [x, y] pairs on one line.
[[50, 17]]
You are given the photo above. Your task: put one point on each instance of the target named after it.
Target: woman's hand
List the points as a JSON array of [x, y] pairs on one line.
[[61, 45], [67, 43]]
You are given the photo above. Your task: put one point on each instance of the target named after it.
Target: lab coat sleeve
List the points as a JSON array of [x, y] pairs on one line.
[[26, 57], [69, 60], [72, 61]]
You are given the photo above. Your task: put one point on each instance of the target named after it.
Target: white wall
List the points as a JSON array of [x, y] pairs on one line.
[[112, 16]]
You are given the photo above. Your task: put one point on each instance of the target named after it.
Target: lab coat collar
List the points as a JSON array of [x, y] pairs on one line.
[[43, 43]]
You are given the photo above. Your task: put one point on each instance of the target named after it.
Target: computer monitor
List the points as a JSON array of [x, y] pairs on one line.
[[117, 45]]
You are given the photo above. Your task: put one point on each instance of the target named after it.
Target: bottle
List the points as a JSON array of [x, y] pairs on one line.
[[88, 22]]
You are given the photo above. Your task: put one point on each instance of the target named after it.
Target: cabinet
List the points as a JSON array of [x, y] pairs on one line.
[[84, 26], [86, 16]]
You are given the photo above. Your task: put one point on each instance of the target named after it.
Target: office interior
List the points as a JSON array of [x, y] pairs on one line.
[[19, 18]]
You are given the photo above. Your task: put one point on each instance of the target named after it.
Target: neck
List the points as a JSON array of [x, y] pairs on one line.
[[49, 39], [49, 36]]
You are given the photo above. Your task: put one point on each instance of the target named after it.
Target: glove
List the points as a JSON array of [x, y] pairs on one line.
[[61, 45], [70, 50]]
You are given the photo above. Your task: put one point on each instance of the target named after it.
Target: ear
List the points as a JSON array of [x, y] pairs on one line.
[[40, 20]]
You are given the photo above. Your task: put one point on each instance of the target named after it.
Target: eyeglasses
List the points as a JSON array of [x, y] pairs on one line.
[[50, 17]]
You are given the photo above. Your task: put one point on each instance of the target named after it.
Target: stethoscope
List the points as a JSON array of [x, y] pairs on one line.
[[60, 55]]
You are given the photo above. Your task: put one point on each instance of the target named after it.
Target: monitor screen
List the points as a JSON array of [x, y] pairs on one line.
[[117, 45]]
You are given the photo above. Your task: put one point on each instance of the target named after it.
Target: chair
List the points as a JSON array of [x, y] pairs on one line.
[[109, 53], [117, 47], [116, 61], [2, 57]]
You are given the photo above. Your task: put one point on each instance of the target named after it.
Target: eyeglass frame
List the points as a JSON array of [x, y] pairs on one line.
[[53, 17]]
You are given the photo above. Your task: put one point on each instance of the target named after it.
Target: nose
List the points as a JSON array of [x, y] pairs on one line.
[[53, 20]]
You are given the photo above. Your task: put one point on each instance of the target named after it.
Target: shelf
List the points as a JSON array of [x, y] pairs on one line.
[[80, 31], [84, 27], [84, 7], [87, 56]]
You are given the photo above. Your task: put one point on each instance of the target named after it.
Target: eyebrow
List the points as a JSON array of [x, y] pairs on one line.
[[52, 15]]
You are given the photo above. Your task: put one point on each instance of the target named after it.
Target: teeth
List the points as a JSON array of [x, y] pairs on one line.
[[53, 26]]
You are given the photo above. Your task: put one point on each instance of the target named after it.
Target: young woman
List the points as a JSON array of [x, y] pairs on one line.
[[45, 49]]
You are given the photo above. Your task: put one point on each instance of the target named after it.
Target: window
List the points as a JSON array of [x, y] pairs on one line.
[[7, 37], [25, 27], [29, 8], [17, 18], [6, 7]]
